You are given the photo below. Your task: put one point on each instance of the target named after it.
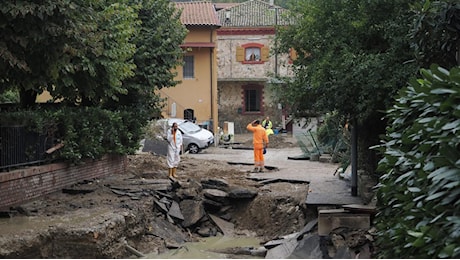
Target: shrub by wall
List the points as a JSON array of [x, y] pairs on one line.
[[419, 192]]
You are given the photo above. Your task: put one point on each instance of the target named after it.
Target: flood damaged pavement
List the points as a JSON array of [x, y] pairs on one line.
[[144, 212]]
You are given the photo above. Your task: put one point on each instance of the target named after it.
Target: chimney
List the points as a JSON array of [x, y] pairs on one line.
[[227, 16]]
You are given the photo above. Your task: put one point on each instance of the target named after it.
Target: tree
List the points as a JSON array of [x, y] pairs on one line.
[[352, 60], [436, 33], [158, 51], [69, 48], [32, 40], [98, 52], [102, 58]]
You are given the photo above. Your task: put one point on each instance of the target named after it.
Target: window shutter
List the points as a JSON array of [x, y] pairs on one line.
[[239, 53], [292, 54], [265, 52]]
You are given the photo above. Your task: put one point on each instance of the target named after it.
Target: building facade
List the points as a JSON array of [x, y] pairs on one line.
[[247, 64], [195, 97]]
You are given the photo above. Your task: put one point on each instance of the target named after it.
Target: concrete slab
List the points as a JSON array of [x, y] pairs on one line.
[[328, 221], [227, 228], [321, 194], [325, 188]]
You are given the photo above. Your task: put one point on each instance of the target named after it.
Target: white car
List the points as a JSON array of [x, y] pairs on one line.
[[194, 137]]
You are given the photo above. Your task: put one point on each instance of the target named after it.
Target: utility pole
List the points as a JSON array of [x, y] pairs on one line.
[[280, 106], [354, 157], [272, 6]]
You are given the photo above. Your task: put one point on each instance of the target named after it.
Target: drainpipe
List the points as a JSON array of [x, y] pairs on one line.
[[276, 53], [211, 78], [214, 115], [212, 87]]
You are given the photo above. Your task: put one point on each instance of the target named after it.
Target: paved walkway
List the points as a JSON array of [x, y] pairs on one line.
[[325, 187]]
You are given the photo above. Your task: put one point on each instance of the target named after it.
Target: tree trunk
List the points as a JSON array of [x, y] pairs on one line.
[[27, 97], [369, 135]]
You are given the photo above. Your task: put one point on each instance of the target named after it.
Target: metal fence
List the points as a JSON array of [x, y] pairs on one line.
[[20, 146]]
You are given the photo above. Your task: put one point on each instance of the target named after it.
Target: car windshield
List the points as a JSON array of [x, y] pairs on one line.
[[189, 127]]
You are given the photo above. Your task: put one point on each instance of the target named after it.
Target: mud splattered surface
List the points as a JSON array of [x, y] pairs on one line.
[[275, 211]]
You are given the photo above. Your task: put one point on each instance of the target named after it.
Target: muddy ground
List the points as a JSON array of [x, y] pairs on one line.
[[278, 209]]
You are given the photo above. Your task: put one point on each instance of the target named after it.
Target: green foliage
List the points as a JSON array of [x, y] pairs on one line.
[[436, 32], [9, 96], [352, 59], [419, 194], [105, 56], [86, 133], [98, 52], [158, 51], [334, 136], [69, 48], [32, 41], [100, 132], [351, 56]]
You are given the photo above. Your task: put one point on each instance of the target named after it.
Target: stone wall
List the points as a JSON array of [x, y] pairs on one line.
[[230, 105], [22, 185], [233, 75], [230, 68]]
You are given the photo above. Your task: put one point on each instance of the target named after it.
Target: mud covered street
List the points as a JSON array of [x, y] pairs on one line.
[[144, 212]]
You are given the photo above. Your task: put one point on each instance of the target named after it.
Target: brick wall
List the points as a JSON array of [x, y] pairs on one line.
[[22, 185]]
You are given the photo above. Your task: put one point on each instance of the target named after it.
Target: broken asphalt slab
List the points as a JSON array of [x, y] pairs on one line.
[[325, 188]]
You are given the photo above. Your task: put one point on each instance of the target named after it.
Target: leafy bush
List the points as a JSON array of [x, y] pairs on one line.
[[419, 194], [9, 96], [87, 132], [335, 137]]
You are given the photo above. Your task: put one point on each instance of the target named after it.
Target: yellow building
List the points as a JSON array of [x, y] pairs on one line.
[[196, 96]]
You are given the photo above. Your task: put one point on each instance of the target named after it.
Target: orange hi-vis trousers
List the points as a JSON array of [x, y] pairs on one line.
[[259, 138], [259, 155]]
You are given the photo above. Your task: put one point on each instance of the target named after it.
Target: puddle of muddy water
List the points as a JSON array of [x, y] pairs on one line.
[[34, 224], [204, 248]]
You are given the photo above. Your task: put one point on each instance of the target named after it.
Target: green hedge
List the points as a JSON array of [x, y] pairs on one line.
[[87, 132], [419, 193]]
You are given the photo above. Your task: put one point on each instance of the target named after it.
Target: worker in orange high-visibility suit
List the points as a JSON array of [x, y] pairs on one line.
[[260, 143]]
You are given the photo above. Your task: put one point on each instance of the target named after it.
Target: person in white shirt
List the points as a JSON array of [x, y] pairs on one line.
[[174, 149]]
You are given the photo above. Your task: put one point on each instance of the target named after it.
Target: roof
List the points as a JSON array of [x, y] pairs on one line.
[[253, 13], [202, 13], [220, 6]]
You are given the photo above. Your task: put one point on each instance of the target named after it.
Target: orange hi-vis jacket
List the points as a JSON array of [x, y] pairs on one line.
[[259, 136]]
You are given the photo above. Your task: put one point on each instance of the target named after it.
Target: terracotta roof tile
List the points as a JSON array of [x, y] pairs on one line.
[[253, 13], [220, 6], [201, 13]]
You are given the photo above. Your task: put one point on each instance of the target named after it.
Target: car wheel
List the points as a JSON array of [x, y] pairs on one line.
[[193, 148]]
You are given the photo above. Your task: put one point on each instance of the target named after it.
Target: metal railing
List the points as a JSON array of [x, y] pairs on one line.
[[20, 146]]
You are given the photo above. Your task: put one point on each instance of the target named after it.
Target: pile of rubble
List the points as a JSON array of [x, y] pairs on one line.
[[143, 212]]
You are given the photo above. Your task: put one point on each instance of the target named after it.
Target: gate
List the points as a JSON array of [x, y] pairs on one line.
[[20, 146]]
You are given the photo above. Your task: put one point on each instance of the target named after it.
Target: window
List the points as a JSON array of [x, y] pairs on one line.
[[189, 68], [292, 55], [252, 99], [252, 53]]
